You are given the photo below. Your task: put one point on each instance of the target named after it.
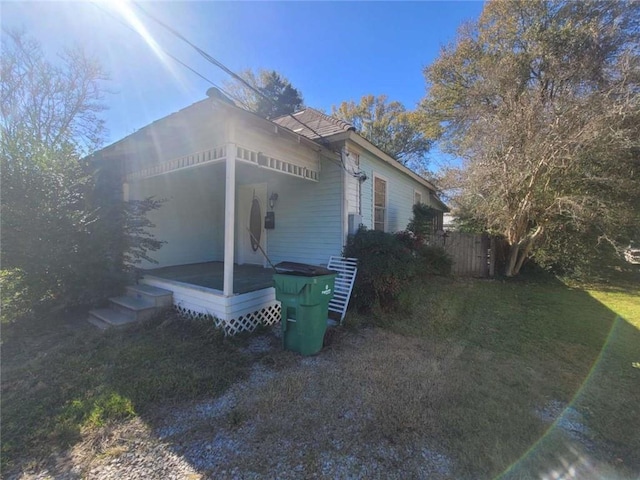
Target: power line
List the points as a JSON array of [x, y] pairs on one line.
[[220, 65], [164, 52], [209, 58]]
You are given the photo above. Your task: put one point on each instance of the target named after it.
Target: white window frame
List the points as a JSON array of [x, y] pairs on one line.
[[417, 193], [386, 202]]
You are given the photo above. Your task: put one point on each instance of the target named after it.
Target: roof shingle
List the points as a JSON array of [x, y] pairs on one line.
[[313, 124]]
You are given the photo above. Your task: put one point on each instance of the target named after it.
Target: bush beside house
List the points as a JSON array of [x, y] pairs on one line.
[[389, 262], [67, 238]]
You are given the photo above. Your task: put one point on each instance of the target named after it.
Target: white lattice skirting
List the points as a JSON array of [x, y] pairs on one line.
[[267, 315]]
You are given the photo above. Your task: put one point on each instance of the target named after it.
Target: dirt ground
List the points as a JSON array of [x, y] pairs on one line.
[[371, 405]]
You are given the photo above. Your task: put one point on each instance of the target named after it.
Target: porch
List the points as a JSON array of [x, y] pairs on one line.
[[198, 294], [218, 183], [210, 275]]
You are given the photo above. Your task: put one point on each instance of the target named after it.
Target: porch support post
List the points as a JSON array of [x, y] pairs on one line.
[[125, 192], [229, 218]]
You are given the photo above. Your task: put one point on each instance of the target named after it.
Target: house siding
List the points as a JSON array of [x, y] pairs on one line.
[[308, 217], [190, 217], [352, 164], [400, 192], [191, 220]]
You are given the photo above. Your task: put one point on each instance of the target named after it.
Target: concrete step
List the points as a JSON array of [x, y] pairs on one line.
[[159, 297], [141, 303], [98, 323], [136, 309], [104, 318]]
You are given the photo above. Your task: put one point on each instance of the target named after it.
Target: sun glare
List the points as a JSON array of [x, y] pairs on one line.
[[125, 10]]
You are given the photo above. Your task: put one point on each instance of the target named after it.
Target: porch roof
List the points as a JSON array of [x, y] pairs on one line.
[[130, 144]]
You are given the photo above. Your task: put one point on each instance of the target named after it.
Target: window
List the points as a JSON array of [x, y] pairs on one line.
[[417, 197], [379, 203], [438, 222]]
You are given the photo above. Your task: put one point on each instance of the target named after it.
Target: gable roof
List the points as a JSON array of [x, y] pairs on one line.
[[310, 125], [319, 126], [313, 124]]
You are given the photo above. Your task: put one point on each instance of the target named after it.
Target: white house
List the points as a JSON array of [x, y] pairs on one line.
[[236, 185]]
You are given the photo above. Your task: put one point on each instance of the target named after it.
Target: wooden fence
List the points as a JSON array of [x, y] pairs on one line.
[[473, 255]]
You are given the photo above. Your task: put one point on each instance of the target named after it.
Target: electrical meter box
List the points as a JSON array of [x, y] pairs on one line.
[[270, 221]]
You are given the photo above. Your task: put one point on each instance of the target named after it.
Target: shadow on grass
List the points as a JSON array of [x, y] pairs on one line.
[[63, 377], [475, 364]]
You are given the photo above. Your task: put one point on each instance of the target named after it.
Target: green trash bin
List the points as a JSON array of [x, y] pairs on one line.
[[304, 292]]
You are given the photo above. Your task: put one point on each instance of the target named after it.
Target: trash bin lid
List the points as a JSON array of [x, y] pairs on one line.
[[302, 269]]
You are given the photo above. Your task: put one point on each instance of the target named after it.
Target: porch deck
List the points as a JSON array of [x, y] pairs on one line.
[[246, 278]]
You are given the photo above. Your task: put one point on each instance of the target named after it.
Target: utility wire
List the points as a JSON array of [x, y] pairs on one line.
[[209, 58], [220, 65], [164, 52], [237, 77]]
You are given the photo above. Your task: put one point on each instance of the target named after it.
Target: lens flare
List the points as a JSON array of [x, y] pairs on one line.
[[579, 465], [124, 9]]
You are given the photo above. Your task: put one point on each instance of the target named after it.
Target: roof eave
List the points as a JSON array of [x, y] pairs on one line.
[[364, 143], [444, 206], [314, 144]]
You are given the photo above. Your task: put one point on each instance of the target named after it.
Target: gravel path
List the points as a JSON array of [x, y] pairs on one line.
[[235, 436]]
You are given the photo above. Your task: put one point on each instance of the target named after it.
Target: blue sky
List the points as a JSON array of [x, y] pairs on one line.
[[330, 51]]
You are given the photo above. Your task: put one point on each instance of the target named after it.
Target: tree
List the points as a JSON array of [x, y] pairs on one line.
[[50, 105], [278, 97], [389, 126], [65, 233], [540, 101]]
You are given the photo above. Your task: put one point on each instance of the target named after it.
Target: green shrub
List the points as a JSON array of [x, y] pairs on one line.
[[433, 260], [16, 296], [385, 266], [422, 223], [387, 262]]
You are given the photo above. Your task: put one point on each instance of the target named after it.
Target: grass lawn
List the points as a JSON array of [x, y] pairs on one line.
[[530, 344], [63, 378], [476, 379]]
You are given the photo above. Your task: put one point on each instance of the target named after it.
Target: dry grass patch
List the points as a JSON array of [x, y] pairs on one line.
[[63, 380], [378, 404], [482, 379], [353, 411]]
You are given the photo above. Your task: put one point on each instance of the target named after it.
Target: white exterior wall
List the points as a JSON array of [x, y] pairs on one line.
[[308, 217], [352, 195], [400, 193], [191, 220]]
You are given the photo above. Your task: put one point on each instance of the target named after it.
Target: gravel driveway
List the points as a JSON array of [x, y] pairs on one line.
[[294, 417]]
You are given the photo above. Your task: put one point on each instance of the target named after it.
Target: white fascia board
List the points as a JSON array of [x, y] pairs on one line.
[[367, 145]]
